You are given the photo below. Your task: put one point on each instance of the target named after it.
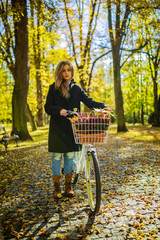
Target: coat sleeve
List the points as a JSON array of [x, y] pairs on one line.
[[89, 102], [49, 106]]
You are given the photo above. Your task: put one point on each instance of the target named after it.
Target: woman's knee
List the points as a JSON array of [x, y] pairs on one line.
[[57, 156], [68, 156]]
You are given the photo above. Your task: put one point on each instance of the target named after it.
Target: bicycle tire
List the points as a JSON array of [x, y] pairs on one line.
[[93, 182], [75, 178]]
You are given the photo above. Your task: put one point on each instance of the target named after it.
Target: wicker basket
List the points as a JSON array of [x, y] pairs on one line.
[[90, 129], [90, 138]]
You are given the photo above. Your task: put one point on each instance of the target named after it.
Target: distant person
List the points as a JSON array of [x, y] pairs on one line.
[[64, 95]]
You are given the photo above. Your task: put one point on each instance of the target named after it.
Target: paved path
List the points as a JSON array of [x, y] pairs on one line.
[[130, 207]]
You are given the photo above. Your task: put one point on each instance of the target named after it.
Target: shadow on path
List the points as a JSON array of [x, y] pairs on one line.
[[130, 197]]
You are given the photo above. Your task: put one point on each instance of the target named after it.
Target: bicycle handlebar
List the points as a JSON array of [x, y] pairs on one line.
[[101, 110], [71, 113]]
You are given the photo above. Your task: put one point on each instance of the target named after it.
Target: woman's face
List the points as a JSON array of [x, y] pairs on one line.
[[67, 73]]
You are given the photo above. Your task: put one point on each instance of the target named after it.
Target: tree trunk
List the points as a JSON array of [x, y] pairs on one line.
[[138, 116], [142, 114], [153, 52], [83, 85], [134, 117], [156, 122], [116, 36], [121, 127], [31, 118], [21, 71], [40, 115]]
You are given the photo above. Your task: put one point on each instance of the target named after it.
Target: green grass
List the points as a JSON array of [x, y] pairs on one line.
[[138, 132], [40, 136], [135, 132]]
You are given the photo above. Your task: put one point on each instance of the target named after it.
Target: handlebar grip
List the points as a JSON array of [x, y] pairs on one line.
[[71, 113]]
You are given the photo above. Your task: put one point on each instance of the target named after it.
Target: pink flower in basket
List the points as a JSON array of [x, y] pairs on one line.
[[92, 123]]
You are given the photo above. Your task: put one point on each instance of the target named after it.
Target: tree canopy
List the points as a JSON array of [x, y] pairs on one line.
[[114, 46]]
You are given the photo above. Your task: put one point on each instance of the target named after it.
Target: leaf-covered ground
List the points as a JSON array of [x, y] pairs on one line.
[[130, 204]]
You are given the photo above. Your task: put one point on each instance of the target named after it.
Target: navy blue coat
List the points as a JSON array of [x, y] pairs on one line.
[[61, 137]]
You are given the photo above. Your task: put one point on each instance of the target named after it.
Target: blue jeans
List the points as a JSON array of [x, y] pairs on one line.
[[56, 163]]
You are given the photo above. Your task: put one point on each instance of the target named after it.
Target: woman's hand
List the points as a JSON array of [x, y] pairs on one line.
[[108, 109], [63, 112]]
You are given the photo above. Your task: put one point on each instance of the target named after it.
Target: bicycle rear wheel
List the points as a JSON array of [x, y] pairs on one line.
[[75, 177], [93, 182]]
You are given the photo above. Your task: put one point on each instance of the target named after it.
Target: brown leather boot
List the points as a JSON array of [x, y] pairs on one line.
[[57, 189], [68, 189]]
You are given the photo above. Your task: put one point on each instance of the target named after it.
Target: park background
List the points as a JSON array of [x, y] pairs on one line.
[[115, 49], [113, 45]]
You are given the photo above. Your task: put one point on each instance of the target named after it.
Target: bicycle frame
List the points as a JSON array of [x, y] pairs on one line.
[[80, 158], [84, 162]]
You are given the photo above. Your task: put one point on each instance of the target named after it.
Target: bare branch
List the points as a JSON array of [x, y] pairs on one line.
[[124, 22], [89, 29], [96, 17], [71, 32], [8, 60], [118, 19], [91, 37], [7, 37], [110, 22], [133, 51], [80, 12], [94, 62]]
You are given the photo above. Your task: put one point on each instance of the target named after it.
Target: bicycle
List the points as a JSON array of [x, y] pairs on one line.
[[89, 128]]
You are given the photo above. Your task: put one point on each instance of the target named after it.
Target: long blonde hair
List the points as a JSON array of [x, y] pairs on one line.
[[60, 84]]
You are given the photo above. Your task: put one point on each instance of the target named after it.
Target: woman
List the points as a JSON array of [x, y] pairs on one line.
[[64, 95]]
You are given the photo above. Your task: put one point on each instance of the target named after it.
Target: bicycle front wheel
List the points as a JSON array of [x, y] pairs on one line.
[[93, 182]]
